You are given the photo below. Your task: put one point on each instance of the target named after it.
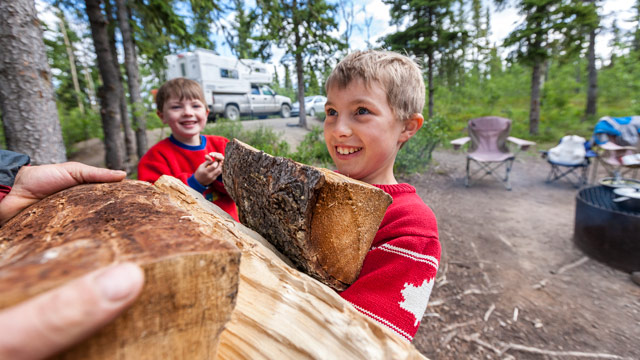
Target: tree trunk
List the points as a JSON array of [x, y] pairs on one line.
[[592, 90], [430, 82], [72, 62], [131, 64], [300, 75], [108, 92], [27, 96], [299, 69], [129, 136], [534, 110]]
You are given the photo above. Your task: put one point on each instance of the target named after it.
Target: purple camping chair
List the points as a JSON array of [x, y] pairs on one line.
[[488, 148]]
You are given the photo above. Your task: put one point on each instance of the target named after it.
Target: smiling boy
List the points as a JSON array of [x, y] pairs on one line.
[[195, 159], [374, 105]]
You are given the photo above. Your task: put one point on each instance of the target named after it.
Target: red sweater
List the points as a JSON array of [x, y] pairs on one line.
[[171, 157], [400, 268]]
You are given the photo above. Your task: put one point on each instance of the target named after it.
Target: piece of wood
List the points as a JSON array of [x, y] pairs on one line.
[[191, 271], [282, 313], [323, 221]]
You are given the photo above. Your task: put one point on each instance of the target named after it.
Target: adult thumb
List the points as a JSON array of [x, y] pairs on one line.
[[50, 322]]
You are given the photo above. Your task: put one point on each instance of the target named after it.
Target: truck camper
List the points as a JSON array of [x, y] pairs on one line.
[[232, 87]]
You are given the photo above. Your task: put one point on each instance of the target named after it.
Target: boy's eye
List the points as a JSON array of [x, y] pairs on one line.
[[175, 107], [362, 111], [331, 112]]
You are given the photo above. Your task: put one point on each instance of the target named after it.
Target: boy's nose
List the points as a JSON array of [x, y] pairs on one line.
[[341, 127], [188, 110]]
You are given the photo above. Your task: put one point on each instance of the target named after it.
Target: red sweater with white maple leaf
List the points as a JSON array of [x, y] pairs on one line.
[[171, 157], [399, 270]]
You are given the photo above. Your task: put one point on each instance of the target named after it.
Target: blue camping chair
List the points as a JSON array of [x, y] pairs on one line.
[[574, 170], [614, 138]]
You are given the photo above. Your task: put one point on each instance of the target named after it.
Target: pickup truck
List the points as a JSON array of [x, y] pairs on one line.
[[261, 100]]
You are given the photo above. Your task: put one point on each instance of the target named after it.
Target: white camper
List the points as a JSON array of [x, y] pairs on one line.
[[232, 87]]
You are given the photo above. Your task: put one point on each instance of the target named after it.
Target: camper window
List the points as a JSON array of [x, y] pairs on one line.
[[183, 71], [228, 73], [267, 90]]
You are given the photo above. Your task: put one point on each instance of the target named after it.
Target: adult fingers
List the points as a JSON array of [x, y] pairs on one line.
[[89, 174], [50, 322]]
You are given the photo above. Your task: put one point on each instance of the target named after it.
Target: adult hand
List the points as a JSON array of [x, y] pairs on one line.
[[210, 169], [42, 326], [34, 183]]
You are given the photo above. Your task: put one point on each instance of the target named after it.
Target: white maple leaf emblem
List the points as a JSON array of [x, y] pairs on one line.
[[416, 298]]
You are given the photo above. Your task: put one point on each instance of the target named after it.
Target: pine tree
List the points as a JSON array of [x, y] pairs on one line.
[[427, 33], [303, 29], [548, 26]]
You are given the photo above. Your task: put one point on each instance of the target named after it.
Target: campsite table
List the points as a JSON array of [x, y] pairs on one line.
[[605, 231]]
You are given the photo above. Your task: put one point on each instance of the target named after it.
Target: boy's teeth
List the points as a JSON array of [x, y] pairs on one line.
[[345, 151]]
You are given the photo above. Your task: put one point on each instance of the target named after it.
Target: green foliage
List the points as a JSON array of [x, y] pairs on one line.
[[313, 150], [262, 138], [77, 126], [415, 155]]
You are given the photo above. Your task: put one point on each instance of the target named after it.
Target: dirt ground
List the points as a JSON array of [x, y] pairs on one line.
[[511, 283]]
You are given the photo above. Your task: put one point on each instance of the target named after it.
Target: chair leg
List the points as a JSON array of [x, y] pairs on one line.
[[507, 173], [466, 178]]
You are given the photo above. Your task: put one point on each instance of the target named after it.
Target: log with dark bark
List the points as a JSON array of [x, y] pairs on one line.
[[191, 270], [323, 221]]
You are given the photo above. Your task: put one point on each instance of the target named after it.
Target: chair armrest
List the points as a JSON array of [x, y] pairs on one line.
[[458, 143], [544, 153], [522, 144], [613, 146]]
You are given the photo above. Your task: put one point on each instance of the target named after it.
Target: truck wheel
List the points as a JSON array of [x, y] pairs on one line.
[[232, 113], [312, 112], [285, 111]]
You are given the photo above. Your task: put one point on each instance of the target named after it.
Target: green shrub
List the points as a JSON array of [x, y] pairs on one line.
[[77, 126], [313, 150], [415, 155], [262, 138]]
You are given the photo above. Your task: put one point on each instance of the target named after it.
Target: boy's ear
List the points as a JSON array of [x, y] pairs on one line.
[[160, 115], [411, 127]]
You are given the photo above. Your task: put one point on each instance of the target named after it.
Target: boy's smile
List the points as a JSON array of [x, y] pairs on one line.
[[186, 118], [362, 133]]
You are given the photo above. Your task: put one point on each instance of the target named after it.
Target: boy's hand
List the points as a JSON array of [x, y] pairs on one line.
[[210, 169]]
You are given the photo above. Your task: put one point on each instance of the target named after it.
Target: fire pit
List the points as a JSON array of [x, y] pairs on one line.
[[605, 231]]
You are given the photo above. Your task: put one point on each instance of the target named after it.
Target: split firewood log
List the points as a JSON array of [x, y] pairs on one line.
[[282, 313], [191, 271], [321, 220]]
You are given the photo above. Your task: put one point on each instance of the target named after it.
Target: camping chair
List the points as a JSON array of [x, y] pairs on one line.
[[488, 148], [615, 139], [569, 160]]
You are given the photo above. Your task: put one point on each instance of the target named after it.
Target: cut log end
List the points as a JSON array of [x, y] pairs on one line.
[[191, 278]]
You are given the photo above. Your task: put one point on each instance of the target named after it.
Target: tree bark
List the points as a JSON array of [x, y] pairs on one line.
[[129, 136], [27, 96], [108, 92], [323, 221], [299, 73], [592, 90], [133, 76], [72, 61], [534, 108]]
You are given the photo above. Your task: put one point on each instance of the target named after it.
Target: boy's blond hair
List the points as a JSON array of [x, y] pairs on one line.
[[179, 88], [400, 77]]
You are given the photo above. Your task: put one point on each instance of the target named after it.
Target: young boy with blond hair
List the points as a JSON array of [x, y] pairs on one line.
[[195, 159], [374, 105]]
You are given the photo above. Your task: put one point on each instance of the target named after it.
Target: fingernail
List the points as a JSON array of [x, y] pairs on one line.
[[120, 281], [118, 172]]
